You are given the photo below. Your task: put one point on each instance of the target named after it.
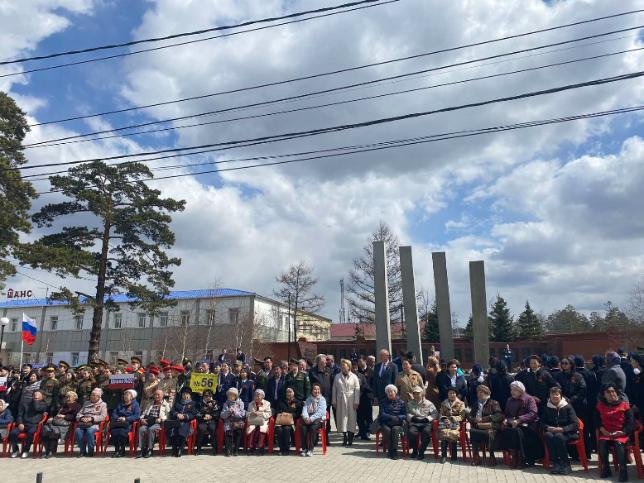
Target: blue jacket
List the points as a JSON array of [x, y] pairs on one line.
[[132, 413], [246, 391], [6, 418], [223, 384], [392, 412], [270, 390], [320, 412]]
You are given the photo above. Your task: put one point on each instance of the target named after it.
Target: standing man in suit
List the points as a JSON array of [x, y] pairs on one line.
[[275, 386], [385, 373]]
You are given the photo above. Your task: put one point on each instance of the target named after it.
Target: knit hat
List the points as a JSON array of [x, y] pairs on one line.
[[517, 385], [132, 392], [612, 358]]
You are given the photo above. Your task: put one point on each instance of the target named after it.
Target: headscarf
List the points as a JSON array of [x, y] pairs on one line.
[[518, 385]]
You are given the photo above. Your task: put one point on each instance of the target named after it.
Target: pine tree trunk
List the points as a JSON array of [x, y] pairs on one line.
[[97, 319]]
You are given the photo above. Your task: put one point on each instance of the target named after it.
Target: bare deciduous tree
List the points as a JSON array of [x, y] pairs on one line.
[[297, 283]]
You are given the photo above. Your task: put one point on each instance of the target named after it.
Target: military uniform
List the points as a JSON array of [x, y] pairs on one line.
[[84, 389], [49, 388], [300, 384]]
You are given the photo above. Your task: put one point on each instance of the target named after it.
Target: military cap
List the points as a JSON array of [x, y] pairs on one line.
[[50, 368], [63, 365], [135, 360], [186, 361], [121, 362]]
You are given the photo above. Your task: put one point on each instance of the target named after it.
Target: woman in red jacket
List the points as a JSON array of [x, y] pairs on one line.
[[614, 418]]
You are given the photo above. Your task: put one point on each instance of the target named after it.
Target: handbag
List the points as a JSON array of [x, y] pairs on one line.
[[284, 419], [484, 426], [118, 424], [237, 425]]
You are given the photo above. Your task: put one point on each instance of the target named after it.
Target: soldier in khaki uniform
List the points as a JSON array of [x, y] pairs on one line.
[[85, 384], [49, 387]]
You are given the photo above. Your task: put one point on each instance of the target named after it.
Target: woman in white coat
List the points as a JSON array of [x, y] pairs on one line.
[[345, 400]]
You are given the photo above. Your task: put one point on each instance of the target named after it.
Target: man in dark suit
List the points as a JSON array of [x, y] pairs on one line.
[[225, 381], [385, 373], [275, 386]]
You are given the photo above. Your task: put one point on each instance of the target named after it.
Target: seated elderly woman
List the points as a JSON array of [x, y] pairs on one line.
[[6, 418], [123, 416], [207, 419], [29, 415], [153, 416], [57, 426], [393, 413], [286, 412], [313, 416], [233, 414], [452, 412], [614, 418], [91, 414], [258, 415], [485, 420], [520, 427], [560, 425], [182, 413], [421, 413]]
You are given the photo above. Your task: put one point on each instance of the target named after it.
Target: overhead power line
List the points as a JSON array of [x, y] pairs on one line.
[[408, 142], [334, 89], [330, 104], [153, 49], [343, 127], [341, 71], [187, 34]]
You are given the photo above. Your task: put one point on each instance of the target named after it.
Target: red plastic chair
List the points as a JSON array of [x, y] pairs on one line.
[[578, 443], [192, 439], [36, 443], [99, 437], [132, 437], [69, 439], [631, 447], [5, 441], [270, 435]]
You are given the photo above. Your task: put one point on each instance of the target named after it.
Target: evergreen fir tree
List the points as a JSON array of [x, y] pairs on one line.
[[502, 324], [528, 324]]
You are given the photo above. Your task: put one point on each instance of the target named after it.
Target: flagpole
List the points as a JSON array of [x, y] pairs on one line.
[[22, 341]]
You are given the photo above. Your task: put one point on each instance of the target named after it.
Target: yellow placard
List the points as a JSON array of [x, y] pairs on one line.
[[200, 382]]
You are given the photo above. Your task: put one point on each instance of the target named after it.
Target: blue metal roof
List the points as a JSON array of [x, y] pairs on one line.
[[122, 298]]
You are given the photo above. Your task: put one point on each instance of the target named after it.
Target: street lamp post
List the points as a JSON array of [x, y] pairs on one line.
[[3, 323]]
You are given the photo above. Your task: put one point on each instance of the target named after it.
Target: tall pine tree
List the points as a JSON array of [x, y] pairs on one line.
[[528, 324], [501, 320]]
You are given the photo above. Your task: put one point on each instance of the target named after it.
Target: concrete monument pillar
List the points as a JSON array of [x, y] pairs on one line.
[[480, 326], [409, 303], [383, 329], [442, 305]]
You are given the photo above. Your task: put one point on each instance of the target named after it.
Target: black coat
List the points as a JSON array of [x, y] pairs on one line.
[[32, 413], [270, 390], [499, 385], [389, 376], [562, 417], [325, 379], [538, 384], [573, 386]]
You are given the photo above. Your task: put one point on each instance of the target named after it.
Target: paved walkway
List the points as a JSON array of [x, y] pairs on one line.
[[356, 464]]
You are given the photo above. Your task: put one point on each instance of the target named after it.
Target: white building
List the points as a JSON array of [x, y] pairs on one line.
[[199, 326]]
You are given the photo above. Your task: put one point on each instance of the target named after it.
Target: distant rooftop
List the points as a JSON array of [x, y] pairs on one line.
[[122, 298]]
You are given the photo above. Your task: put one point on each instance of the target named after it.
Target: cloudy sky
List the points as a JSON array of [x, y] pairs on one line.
[[555, 211]]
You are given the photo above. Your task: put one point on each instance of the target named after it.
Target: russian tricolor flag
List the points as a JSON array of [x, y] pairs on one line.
[[29, 329]]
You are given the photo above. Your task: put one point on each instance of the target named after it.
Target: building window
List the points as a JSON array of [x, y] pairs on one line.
[[118, 319], [26, 358], [53, 321], [138, 354], [75, 357], [14, 325], [233, 316], [163, 319], [78, 321], [185, 318], [458, 354], [210, 317], [469, 355], [113, 357], [141, 320], [50, 357]]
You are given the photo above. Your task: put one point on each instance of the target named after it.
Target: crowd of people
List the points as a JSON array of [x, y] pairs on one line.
[[539, 405]]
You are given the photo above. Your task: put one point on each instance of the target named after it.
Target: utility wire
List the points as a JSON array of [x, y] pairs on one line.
[[134, 52], [330, 150], [186, 34], [337, 103], [411, 141], [334, 89], [343, 127], [341, 71]]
